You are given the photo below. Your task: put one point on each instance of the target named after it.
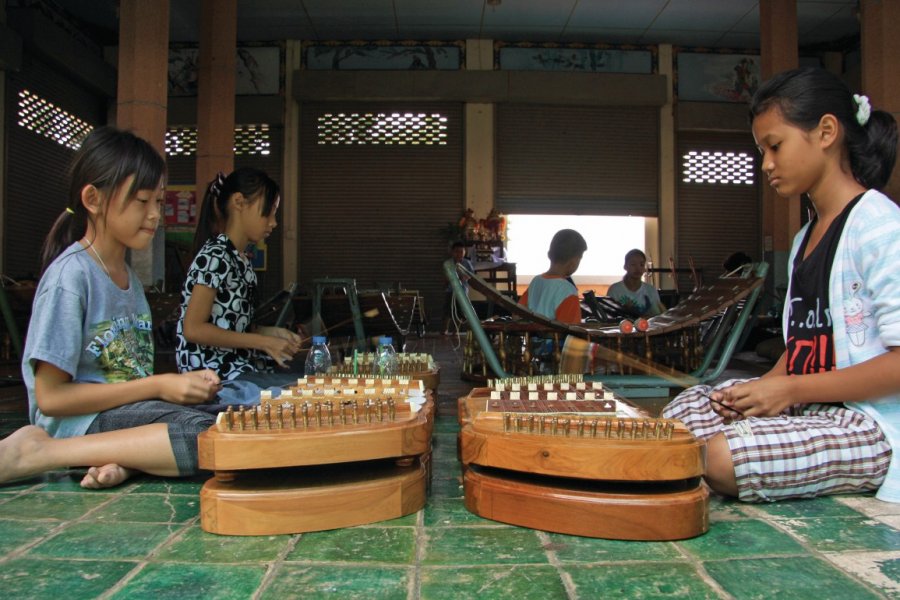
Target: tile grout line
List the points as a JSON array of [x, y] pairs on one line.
[[415, 583], [13, 495], [142, 563], [553, 559], [702, 572], [275, 566], [63, 526], [755, 512]]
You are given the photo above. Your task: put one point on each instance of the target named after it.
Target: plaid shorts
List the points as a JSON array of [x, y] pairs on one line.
[[810, 450]]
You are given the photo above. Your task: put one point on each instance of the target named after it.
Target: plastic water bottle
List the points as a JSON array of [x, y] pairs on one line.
[[318, 361], [386, 361]]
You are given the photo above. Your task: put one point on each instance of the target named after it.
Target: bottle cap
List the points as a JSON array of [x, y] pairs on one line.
[[319, 339], [385, 340]]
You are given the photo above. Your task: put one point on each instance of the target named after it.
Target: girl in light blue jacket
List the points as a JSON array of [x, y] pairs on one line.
[[824, 420]]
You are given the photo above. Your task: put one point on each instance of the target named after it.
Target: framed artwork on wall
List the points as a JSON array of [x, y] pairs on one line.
[[258, 254], [258, 70], [712, 77], [572, 57], [375, 56]]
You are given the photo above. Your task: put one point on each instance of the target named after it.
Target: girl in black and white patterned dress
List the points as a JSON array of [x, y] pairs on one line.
[[215, 328]]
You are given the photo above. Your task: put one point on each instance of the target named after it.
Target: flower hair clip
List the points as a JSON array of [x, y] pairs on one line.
[[218, 183], [865, 109]]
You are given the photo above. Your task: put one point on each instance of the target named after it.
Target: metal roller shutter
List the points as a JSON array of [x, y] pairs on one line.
[[374, 212], [36, 170], [584, 160], [716, 220]]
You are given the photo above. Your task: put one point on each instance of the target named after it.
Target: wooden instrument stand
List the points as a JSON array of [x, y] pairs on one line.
[[572, 465], [344, 455]]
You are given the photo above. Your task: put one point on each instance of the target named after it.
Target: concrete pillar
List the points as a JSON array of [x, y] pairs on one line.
[[879, 22], [660, 243], [216, 74], [779, 52], [2, 154], [3, 145], [479, 152], [290, 183], [143, 98]]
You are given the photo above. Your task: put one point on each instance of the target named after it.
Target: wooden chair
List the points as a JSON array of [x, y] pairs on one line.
[[672, 353]]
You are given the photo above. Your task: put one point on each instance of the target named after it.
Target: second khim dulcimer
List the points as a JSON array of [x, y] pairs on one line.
[[560, 454]]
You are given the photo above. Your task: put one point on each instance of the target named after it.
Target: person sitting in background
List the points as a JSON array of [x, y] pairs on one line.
[[458, 254], [637, 297], [553, 294], [736, 261]]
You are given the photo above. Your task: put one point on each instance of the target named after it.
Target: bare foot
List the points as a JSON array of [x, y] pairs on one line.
[[106, 476], [18, 450]]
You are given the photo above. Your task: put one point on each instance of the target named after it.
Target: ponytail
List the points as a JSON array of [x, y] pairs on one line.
[[210, 221], [804, 96], [69, 226], [106, 159], [873, 155], [250, 183]]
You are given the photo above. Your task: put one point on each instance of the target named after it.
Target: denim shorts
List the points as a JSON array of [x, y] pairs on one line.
[[185, 424]]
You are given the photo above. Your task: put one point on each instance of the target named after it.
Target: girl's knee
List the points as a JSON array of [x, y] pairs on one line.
[[719, 466]]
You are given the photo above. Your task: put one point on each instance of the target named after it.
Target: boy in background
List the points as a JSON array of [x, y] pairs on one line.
[[639, 298], [553, 294]]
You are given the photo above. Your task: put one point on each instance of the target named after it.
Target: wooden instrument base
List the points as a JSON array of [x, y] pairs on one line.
[[279, 501], [663, 511], [430, 380]]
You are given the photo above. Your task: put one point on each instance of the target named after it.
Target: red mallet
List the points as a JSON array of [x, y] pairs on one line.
[[626, 326], [641, 324]]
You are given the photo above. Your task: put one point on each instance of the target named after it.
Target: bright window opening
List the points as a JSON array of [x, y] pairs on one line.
[[608, 239], [414, 129], [735, 168], [249, 140], [50, 121]]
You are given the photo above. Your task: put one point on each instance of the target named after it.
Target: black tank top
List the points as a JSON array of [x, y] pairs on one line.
[[810, 339]]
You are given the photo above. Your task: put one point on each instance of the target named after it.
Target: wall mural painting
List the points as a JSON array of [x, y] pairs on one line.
[[717, 77], [374, 57], [597, 60], [183, 71], [258, 70]]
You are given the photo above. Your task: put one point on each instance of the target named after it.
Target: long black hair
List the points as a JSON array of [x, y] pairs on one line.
[[246, 181], [804, 96], [106, 159]]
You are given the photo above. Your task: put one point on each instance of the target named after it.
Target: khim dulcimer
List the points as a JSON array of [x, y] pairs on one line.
[[564, 455], [329, 452], [415, 365]]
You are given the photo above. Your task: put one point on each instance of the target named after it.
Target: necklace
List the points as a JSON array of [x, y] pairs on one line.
[[99, 258], [128, 335]]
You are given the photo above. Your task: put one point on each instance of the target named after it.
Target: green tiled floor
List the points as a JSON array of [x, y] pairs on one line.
[[143, 540]]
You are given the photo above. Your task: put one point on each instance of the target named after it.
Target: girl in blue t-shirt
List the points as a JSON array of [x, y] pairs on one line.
[[88, 360]]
